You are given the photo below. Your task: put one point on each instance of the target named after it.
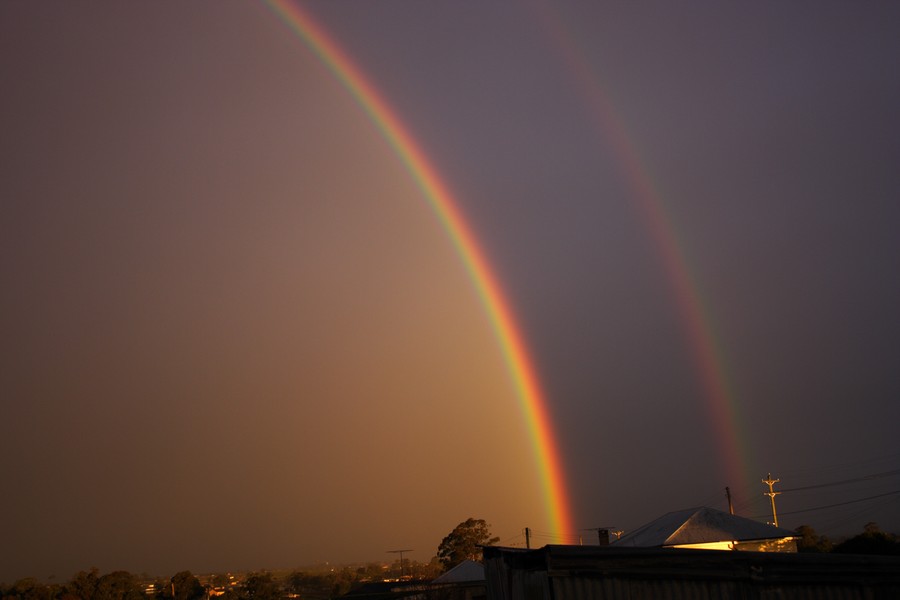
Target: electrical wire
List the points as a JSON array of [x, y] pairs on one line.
[[891, 459], [805, 510], [555, 538], [832, 524], [512, 541], [844, 482]]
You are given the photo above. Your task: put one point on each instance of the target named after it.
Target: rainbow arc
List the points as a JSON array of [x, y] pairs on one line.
[[446, 209], [708, 357]]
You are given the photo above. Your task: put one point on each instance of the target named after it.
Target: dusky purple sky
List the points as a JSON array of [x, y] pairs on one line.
[[234, 336]]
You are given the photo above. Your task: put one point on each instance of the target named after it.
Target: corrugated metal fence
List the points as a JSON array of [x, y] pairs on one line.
[[594, 573]]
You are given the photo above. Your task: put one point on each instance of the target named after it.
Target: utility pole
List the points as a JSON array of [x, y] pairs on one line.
[[771, 494], [400, 552], [528, 538], [728, 495]]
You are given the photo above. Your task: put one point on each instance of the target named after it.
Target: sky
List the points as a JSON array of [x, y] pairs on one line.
[[235, 335]]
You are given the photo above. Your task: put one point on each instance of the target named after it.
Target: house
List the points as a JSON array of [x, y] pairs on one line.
[[614, 571], [709, 529], [466, 571], [465, 581]]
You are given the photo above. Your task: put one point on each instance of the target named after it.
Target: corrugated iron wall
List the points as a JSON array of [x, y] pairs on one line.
[[578, 588], [578, 573]]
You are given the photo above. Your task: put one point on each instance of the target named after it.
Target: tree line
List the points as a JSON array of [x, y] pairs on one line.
[[260, 585], [462, 543], [871, 541]]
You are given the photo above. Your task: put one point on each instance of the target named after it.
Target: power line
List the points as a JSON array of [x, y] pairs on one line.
[[556, 537], [750, 504], [845, 481], [853, 514], [832, 467], [514, 538], [805, 510]]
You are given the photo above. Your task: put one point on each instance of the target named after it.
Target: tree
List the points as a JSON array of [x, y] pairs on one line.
[[118, 585], [810, 541], [27, 589], [83, 584], [162, 589], [311, 586], [464, 542], [261, 586], [186, 586], [871, 541]]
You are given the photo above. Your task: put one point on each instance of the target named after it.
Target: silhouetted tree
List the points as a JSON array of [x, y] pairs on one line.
[[83, 584], [463, 542], [28, 588], [810, 541], [260, 586], [871, 541], [342, 582], [118, 585], [162, 589], [423, 571], [317, 586], [371, 572], [182, 586]]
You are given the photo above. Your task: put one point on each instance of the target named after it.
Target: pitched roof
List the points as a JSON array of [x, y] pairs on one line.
[[699, 526], [467, 570]]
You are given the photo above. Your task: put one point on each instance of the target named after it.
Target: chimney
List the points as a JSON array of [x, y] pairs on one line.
[[603, 537]]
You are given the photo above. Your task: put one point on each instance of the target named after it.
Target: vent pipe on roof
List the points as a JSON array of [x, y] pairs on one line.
[[603, 536]]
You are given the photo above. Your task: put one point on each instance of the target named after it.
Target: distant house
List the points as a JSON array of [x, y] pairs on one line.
[[388, 590], [709, 529], [464, 572], [465, 581]]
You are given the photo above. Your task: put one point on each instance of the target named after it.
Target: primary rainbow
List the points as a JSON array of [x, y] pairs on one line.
[[438, 195]]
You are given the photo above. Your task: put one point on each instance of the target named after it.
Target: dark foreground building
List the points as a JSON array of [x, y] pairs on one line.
[[599, 572], [465, 581]]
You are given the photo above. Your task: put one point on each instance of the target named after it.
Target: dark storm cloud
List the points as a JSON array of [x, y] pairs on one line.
[[217, 278]]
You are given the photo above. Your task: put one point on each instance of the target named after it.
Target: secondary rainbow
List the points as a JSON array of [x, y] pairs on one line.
[[708, 357], [441, 200]]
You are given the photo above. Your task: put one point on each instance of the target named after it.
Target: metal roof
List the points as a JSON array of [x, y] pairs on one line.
[[598, 572], [467, 570], [699, 526]]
